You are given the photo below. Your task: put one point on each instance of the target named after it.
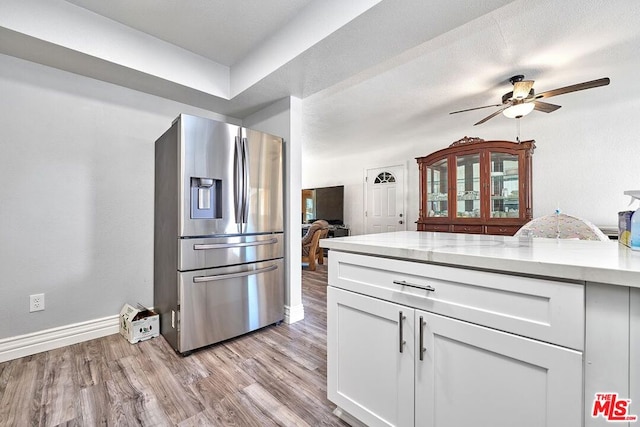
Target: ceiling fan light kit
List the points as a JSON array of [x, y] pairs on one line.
[[523, 100], [519, 110]]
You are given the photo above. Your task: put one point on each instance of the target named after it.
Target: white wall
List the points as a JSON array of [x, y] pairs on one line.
[[76, 195]]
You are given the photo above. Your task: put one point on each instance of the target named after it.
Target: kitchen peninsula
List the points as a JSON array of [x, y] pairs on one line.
[[440, 329]]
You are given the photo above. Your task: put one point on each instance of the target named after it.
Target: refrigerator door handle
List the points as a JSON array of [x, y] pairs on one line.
[[200, 247], [245, 159], [237, 182], [200, 279]]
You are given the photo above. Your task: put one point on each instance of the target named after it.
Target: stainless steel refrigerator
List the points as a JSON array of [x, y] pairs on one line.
[[219, 240]]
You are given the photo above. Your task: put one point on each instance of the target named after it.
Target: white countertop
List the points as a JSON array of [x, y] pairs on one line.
[[605, 262]]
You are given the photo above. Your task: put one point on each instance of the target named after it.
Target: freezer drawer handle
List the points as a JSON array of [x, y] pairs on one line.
[[411, 285], [233, 275], [201, 247]]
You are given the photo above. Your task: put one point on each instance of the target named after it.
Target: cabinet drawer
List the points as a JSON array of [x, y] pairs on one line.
[[502, 230], [542, 309], [434, 227], [467, 229]]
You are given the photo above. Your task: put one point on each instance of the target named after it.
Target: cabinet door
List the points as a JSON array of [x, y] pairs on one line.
[[467, 184], [505, 185], [437, 185], [475, 376], [368, 376]]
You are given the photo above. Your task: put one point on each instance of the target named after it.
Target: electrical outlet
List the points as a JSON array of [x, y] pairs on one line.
[[36, 302]]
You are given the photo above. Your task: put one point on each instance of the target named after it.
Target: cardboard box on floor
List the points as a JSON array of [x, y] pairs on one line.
[[138, 324]]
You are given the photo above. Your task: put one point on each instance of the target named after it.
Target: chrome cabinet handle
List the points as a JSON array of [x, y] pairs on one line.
[[215, 277], [402, 342], [201, 247], [422, 348], [411, 285]]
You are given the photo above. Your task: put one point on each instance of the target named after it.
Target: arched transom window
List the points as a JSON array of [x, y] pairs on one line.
[[384, 178]]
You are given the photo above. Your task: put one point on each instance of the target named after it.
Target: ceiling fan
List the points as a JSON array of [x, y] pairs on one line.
[[523, 99]]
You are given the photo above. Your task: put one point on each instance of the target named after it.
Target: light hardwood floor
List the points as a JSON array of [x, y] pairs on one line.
[[272, 377]]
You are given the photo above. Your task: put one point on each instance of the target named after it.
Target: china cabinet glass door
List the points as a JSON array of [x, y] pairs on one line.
[[505, 183], [438, 189], [468, 186]]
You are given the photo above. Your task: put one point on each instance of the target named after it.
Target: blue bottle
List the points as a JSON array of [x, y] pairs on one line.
[[635, 223], [635, 230]]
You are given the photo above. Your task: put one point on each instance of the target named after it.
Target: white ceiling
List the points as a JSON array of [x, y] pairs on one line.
[[408, 98], [221, 30], [232, 57], [365, 68]]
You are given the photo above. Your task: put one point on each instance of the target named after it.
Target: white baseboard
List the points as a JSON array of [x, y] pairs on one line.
[[293, 314], [49, 339]]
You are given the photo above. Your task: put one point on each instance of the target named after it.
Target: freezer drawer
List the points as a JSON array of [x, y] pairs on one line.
[[222, 303], [214, 252]]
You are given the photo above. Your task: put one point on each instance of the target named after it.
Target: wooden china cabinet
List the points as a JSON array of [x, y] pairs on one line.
[[476, 186]]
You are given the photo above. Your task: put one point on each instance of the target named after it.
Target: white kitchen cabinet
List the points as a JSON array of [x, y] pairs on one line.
[[634, 353], [475, 376], [612, 353], [368, 376], [467, 373]]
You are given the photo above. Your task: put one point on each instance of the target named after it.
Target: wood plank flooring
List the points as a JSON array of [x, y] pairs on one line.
[[272, 377]]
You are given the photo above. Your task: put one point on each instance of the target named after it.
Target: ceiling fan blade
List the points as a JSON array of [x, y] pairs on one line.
[[573, 88], [476, 108], [545, 107], [521, 89], [491, 116]]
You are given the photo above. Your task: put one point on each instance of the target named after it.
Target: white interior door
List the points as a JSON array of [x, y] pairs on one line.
[[384, 200]]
